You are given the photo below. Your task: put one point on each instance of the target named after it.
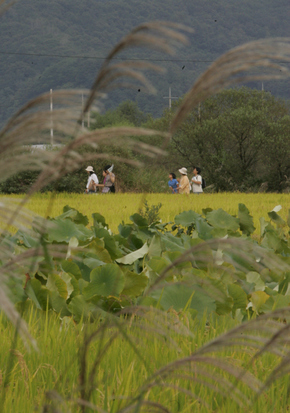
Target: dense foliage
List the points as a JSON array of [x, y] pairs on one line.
[[36, 35], [240, 138], [194, 263]]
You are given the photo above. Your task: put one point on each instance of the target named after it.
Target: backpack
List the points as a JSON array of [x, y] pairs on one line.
[[203, 183]]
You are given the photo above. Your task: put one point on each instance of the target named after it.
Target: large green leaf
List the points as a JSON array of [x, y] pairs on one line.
[[62, 230], [239, 297], [157, 264], [98, 249], [246, 220], [93, 261], [276, 218], [74, 215], [255, 278], [133, 256], [222, 220], [224, 307], [186, 218], [110, 242], [15, 290], [27, 240], [275, 302], [70, 281], [135, 284], [99, 219], [38, 294], [273, 241], [59, 305], [56, 283], [204, 230], [176, 296], [139, 220], [155, 248], [258, 299], [179, 296], [81, 309], [105, 281], [202, 302], [171, 243], [71, 268]]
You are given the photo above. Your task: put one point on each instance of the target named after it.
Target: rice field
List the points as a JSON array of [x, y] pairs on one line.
[[119, 207], [48, 380]]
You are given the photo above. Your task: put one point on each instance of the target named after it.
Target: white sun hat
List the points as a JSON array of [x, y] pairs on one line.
[[90, 169], [183, 171]]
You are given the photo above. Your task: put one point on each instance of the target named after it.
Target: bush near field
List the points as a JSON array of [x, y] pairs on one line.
[[240, 138]]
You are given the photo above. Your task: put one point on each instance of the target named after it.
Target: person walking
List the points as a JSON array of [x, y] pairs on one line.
[[109, 180], [184, 186], [92, 181], [197, 181], [173, 183]]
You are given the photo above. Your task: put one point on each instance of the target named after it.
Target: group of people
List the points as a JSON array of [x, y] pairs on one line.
[[93, 182], [182, 185]]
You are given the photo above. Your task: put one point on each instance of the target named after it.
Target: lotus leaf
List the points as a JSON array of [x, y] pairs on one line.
[[56, 283], [38, 294], [81, 309], [258, 298], [110, 242], [74, 215], [203, 229], [133, 256], [277, 219], [63, 230], [106, 281], [222, 220], [99, 219], [246, 220], [135, 284], [139, 220], [255, 278], [239, 296], [72, 268], [186, 218], [59, 304]]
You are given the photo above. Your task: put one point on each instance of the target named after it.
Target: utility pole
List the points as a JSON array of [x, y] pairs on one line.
[[89, 119], [83, 116], [51, 120], [169, 97]]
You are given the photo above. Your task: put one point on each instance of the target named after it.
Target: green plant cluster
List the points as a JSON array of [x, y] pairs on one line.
[[200, 263]]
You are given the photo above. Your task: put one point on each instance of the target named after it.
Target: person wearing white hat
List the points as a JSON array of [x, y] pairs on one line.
[[92, 181], [184, 186]]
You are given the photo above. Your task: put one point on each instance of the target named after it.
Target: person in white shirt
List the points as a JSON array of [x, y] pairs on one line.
[[92, 180], [197, 181]]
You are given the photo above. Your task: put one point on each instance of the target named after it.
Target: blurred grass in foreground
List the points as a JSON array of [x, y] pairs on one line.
[[121, 372]]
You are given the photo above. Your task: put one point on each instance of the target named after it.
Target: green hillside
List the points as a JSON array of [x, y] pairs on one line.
[[40, 40]]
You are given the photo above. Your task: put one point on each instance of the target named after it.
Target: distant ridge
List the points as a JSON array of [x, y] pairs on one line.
[[60, 44]]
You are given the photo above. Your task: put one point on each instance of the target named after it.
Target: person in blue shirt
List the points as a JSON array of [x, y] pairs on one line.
[[173, 183]]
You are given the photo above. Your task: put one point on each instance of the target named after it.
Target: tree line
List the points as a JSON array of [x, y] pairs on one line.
[[240, 138]]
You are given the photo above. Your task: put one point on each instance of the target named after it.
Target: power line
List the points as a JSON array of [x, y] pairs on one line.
[[100, 57], [104, 57]]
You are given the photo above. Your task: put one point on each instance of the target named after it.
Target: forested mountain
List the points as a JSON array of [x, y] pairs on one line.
[[61, 43]]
